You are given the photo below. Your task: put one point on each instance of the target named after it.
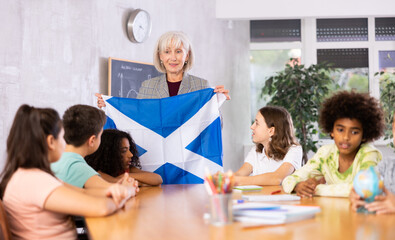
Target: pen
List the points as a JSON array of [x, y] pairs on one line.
[[275, 192]]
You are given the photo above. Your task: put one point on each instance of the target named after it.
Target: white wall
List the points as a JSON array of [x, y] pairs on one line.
[[289, 9], [53, 53]]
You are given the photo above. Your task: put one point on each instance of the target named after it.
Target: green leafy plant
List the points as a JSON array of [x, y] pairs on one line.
[[301, 91], [387, 99]]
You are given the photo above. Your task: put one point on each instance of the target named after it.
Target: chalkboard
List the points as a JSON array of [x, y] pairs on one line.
[[125, 77]]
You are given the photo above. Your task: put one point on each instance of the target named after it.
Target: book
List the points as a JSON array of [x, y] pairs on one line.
[[253, 214], [248, 188], [270, 198]]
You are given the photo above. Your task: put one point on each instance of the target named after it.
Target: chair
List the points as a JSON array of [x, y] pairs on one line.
[[5, 233], [82, 230]]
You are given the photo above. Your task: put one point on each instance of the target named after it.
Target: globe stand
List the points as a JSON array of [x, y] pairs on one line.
[[363, 210]]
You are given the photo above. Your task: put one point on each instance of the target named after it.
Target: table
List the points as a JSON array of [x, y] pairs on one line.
[[176, 212]]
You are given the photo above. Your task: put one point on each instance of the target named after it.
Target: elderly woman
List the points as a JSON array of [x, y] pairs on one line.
[[173, 56]]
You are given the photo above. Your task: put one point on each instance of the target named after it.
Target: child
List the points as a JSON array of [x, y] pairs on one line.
[[36, 202], [384, 203], [83, 128], [116, 155], [276, 155], [353, 120]]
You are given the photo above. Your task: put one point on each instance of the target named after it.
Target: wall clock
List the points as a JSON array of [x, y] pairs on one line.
[[139, 26]]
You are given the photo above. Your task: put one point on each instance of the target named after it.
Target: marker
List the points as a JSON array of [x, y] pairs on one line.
[[237, 201], [275, 192]]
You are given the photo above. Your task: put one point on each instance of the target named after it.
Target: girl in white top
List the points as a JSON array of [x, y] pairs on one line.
[[276, 155]]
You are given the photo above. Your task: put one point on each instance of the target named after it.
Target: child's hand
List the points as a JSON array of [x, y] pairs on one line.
[[126, 179], [304, 189], [130, 182], [383, 204], [355, 200], [307, 188], [120, 194]]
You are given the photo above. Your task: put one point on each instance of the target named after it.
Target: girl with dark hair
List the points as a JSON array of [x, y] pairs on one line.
[[277, 153], [36, 202], [118, 154], [352, 120]]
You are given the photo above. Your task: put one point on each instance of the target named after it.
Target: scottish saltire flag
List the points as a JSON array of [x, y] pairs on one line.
[[177, 137]]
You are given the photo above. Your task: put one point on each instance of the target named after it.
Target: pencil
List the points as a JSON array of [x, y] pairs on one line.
[[275, 192]]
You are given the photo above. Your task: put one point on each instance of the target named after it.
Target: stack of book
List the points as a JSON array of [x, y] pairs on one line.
[[253, 214]]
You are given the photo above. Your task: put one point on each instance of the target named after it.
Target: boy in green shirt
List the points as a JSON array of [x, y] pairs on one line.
[[83, 127]]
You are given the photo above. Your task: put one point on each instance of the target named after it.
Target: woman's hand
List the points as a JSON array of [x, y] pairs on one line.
[[100, 101], [221, 89]]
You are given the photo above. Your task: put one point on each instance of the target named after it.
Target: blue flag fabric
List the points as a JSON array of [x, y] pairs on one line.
[[177, 137]]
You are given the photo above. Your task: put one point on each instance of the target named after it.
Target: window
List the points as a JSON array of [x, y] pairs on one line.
[[273, 43], [351, 65], [387, 61], [357, 47], [385, 29], [275, 31], [264, 63], [333, 30]]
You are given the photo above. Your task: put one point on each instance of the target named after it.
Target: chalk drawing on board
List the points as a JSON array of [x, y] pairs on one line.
[[125, 77]]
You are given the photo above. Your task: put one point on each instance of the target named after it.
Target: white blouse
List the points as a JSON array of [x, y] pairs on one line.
[[262, 164]]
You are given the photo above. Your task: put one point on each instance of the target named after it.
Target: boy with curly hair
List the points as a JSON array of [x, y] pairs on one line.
[[353, 120]]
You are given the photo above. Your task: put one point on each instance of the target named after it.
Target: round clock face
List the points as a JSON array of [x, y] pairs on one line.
[[139, 26]]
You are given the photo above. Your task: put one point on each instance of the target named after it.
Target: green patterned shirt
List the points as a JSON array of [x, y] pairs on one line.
[[326, 163]]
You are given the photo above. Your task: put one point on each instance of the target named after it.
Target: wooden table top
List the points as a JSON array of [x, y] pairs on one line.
[[176, 212]]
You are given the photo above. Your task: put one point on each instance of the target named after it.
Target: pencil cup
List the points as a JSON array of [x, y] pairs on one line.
[[221, 209]]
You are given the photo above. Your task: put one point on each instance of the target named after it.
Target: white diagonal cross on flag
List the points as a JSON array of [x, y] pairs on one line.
[[172, 149]]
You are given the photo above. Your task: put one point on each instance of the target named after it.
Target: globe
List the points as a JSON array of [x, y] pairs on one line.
[[368, 184]]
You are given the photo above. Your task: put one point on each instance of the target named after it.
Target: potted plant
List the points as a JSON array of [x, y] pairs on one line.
[[387, 99], [301, 91]]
